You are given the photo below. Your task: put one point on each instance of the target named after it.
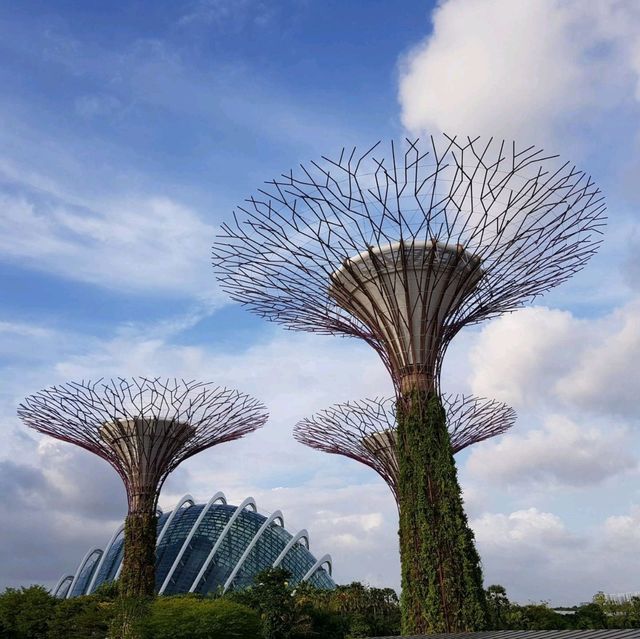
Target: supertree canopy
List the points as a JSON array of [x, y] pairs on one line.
[[404, 248], [144, 427], [366, 430]]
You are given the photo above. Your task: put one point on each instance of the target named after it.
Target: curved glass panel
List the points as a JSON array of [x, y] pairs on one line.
[[199, 548], [86, 574], [169, 547], [322, 579], [262, 555]]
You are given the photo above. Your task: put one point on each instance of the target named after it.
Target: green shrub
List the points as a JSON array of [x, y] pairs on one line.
[[190, 617], [25, 612], [273, 598], [80, 618]]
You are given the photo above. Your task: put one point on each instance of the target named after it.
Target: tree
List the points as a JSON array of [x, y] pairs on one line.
[[498, 606], [274, 600], [369, 611], [25, 612], [541, 617], [81, 618], [590, 617]]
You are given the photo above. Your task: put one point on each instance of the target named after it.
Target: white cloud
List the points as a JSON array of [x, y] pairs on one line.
[[541, 359], [527, 68], [536, 556], [144, 244], [533, 555], [562, 453], [604, 375], [521, 371], [22, 329], [529, 529], [621, 533]]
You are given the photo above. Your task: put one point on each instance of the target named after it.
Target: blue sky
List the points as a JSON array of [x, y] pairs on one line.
[[129, 133]]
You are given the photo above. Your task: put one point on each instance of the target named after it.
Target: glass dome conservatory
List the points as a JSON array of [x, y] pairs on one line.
[[206, 547]]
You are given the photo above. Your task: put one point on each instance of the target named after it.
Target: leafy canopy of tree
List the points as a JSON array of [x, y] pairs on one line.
[[25, 613]]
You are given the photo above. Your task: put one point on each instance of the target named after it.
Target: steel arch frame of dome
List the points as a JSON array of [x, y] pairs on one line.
[[82, 566], [88, 574], [272, 519], [217, 497], [249, 501], [61, 582]]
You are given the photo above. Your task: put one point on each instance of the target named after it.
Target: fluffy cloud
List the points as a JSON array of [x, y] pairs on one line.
[[521, 68], [529, 528], [52, 510], [563, 361], [604, 375], [532, 543], [147, 244], [536, 556], [521, 371], [621, 533], [560, 454]]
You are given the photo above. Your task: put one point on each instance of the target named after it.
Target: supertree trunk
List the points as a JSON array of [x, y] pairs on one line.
[[137, 578], [441, 575]]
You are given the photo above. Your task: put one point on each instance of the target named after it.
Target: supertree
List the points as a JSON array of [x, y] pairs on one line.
[[144, 428], [366, 430], [403, 251]]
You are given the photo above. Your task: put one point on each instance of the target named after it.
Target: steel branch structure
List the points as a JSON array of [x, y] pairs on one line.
[[366, 430], [405, 247], [144, 428]]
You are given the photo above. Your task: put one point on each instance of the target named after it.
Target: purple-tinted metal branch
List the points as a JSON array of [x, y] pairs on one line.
[[477, 228], [365, 430], [144, 427]]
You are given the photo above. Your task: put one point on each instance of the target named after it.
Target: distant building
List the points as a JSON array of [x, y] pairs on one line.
[[621, 597], [208, 547]]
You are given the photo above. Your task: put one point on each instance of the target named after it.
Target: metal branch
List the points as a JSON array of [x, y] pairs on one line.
[[366, 430], [403, 250], [144, 427]]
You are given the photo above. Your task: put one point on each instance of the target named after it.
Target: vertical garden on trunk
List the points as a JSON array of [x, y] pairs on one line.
[[138, 575], [442, 588]]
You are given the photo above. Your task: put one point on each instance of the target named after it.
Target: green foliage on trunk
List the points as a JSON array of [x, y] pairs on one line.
[[129, 616], [441, 574], [138, 576]]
